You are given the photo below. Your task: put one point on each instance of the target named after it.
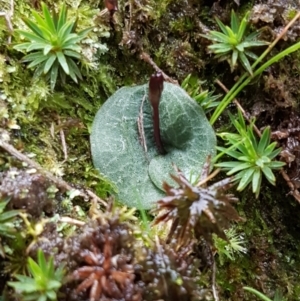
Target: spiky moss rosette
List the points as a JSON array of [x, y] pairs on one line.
[[136, 168]]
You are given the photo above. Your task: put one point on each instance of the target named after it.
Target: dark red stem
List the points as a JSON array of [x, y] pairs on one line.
[[156, 129], [156, 86]]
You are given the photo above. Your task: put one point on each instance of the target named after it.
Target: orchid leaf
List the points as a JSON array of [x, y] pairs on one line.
[[139, 171]]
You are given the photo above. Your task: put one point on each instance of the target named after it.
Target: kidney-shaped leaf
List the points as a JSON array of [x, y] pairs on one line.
[[124, 150]]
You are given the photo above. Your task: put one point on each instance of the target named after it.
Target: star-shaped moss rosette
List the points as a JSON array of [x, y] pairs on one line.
[[125, 150]]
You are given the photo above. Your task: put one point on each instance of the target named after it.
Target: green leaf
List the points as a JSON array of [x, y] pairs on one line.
[[220, 48], [72, 53], [37, 46], [269, 174], [240, 48], [51, 295], [22, 46], [245, 178], [8, 215], [256, 182], [276, 164], [234, 58], [42, 298], [274, 154], [32, 56], [36, 29], [62, 17], [251, 54], [222, 26], [34, 268], [54, 284], [84, 32], [228, 165], [53, 75], [31, 36], [65, 31], [47, 49], [48, 18], [241, 166], [243, 27], [41, 22], [62, 61], [27, 287], [245, 62], [39, 69], [216, 36], [42, 261], [49, 63], [257, 293], [50, 273], [37, 61], [118, 154], [252, 36], [264, 141], [248, 44], [270, 148], [74, 71], [231, 153], [234, 22]]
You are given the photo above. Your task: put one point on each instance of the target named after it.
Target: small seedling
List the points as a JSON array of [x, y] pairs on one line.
[[54, 44], [44, 280], [7, 228], [253, 158], [232, 43]]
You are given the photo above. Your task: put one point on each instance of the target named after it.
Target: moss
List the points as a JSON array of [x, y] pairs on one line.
[[170, 32]]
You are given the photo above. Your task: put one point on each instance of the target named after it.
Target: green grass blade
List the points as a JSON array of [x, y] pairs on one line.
[[257, 293]]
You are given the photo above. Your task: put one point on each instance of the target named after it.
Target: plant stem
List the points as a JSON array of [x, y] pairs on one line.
[[156, 85], [156, 129]]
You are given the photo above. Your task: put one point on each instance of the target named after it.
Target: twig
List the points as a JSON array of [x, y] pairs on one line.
[[146, 57], [71, 221], [282, 33], [213, 280], [58, 182], [63, 143], [294, 191], [140, 123], [208, 178], [235, 101], [8, 16]]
